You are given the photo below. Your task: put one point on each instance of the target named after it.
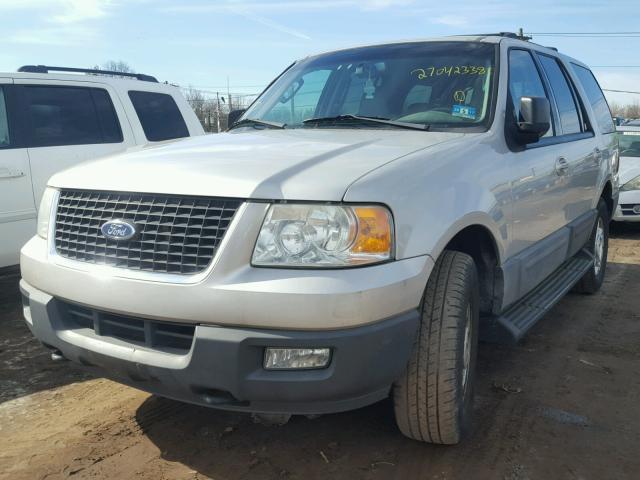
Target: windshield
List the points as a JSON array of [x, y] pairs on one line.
[[442, 84], [629, 144]]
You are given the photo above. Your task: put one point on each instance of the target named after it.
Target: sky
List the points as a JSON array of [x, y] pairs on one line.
[[205, 43]]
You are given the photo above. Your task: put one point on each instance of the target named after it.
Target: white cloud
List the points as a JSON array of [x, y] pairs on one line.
[[243, 12], [286, 6], [60, 11], [70, 35]]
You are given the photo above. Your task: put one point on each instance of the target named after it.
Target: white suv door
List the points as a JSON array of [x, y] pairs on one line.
[[68, 123], [17, 205]]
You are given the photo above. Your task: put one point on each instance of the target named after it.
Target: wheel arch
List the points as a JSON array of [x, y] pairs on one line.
[[479, 241], [607, 196]]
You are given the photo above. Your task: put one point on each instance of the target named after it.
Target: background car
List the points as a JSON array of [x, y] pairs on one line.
[[49, 122], [629, 176]]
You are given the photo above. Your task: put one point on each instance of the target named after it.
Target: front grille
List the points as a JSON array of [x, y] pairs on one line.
[[630, 208], [169, 337], [176, 234]]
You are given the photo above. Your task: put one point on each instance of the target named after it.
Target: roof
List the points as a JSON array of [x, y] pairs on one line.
[[492, 38], [128, 83]]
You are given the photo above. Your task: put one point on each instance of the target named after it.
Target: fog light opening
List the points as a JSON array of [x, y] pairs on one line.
[[296, 358]]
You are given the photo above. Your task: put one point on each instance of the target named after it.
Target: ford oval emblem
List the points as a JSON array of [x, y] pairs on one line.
[[118, 230]]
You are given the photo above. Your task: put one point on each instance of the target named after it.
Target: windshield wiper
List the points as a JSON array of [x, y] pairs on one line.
[[361, 119], [257, 121]]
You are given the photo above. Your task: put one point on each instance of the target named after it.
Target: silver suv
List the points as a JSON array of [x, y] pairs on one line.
[[361, 225]]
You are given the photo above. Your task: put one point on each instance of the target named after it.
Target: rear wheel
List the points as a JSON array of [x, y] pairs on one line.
[[598, 245], [433, 399]]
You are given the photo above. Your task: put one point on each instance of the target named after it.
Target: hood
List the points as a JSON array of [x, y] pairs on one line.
[[629, 169], [297, 164]]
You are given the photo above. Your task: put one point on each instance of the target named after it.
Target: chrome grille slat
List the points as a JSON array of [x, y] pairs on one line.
[[177, 234]]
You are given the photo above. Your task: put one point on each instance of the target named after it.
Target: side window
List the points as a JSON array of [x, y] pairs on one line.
[[565, 101], [596, 99], [70, 116], [159, 115], [299, 102], [4, 122], [524, 80]]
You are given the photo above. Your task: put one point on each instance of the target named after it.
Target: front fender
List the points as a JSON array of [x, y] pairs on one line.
[[434, 194]]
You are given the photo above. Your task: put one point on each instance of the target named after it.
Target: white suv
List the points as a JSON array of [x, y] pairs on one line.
[[49, 122]]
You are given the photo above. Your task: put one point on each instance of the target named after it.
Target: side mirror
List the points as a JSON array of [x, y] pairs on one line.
[[535, 119], [234, 115]]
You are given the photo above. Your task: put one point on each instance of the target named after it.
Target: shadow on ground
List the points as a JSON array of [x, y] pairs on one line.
[[25, 365]]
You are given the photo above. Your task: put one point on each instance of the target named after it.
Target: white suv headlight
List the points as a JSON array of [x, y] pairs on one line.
[[317, 236], [44, 212]]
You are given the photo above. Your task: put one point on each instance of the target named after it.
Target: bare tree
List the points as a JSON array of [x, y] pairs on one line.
[[617, 110], [118, 66], [632, 110], [196, 99]]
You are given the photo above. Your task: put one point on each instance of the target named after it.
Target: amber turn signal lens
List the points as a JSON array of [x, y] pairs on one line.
[[374, 231]]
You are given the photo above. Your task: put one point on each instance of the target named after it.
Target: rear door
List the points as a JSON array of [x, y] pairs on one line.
[[17, 206], [601, 121], [580, 148], [68, 123]]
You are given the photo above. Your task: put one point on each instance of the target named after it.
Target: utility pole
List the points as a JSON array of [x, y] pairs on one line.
[[217, 112], [229, 94]]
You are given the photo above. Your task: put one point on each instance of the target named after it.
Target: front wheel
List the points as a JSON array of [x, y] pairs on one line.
[[598, 245], [433, 399]]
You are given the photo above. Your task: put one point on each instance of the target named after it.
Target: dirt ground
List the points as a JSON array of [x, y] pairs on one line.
[[565, 403]]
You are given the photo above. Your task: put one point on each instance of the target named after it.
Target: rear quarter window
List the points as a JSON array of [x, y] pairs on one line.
[[596, 98], [159, 115]]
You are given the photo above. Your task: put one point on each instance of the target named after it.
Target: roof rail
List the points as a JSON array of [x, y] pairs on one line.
[[497, 34], [93, 71]]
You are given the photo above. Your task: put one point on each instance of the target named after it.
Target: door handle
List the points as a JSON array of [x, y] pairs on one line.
[[6, 172], [562, 166]]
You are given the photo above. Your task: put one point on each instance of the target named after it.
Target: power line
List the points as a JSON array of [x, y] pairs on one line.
[[620, 91], [614, 66], [583, 33]]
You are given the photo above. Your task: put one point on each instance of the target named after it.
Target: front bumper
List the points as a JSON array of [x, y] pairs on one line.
[[232, 292], [223, 367], [627, 202]]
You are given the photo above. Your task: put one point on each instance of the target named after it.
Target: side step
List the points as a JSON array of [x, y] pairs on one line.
[[516, 321]]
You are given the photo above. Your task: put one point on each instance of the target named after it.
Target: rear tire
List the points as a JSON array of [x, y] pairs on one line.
[[598, 246], [433, 399]]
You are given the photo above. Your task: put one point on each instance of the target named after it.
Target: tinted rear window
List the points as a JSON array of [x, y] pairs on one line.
[[70, 116], [567, 109], [596, 99], [159, 115]]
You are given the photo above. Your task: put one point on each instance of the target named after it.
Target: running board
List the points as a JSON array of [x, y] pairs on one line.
[[518, 319]]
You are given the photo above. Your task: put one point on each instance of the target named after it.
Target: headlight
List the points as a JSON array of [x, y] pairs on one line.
[[633, 184], [306, 235], [44, 212]]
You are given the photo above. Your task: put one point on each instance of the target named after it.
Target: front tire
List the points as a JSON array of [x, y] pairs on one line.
[[598, 246], [433, 399]]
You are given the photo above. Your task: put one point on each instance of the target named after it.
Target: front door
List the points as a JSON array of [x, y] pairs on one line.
[[17, 205]]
